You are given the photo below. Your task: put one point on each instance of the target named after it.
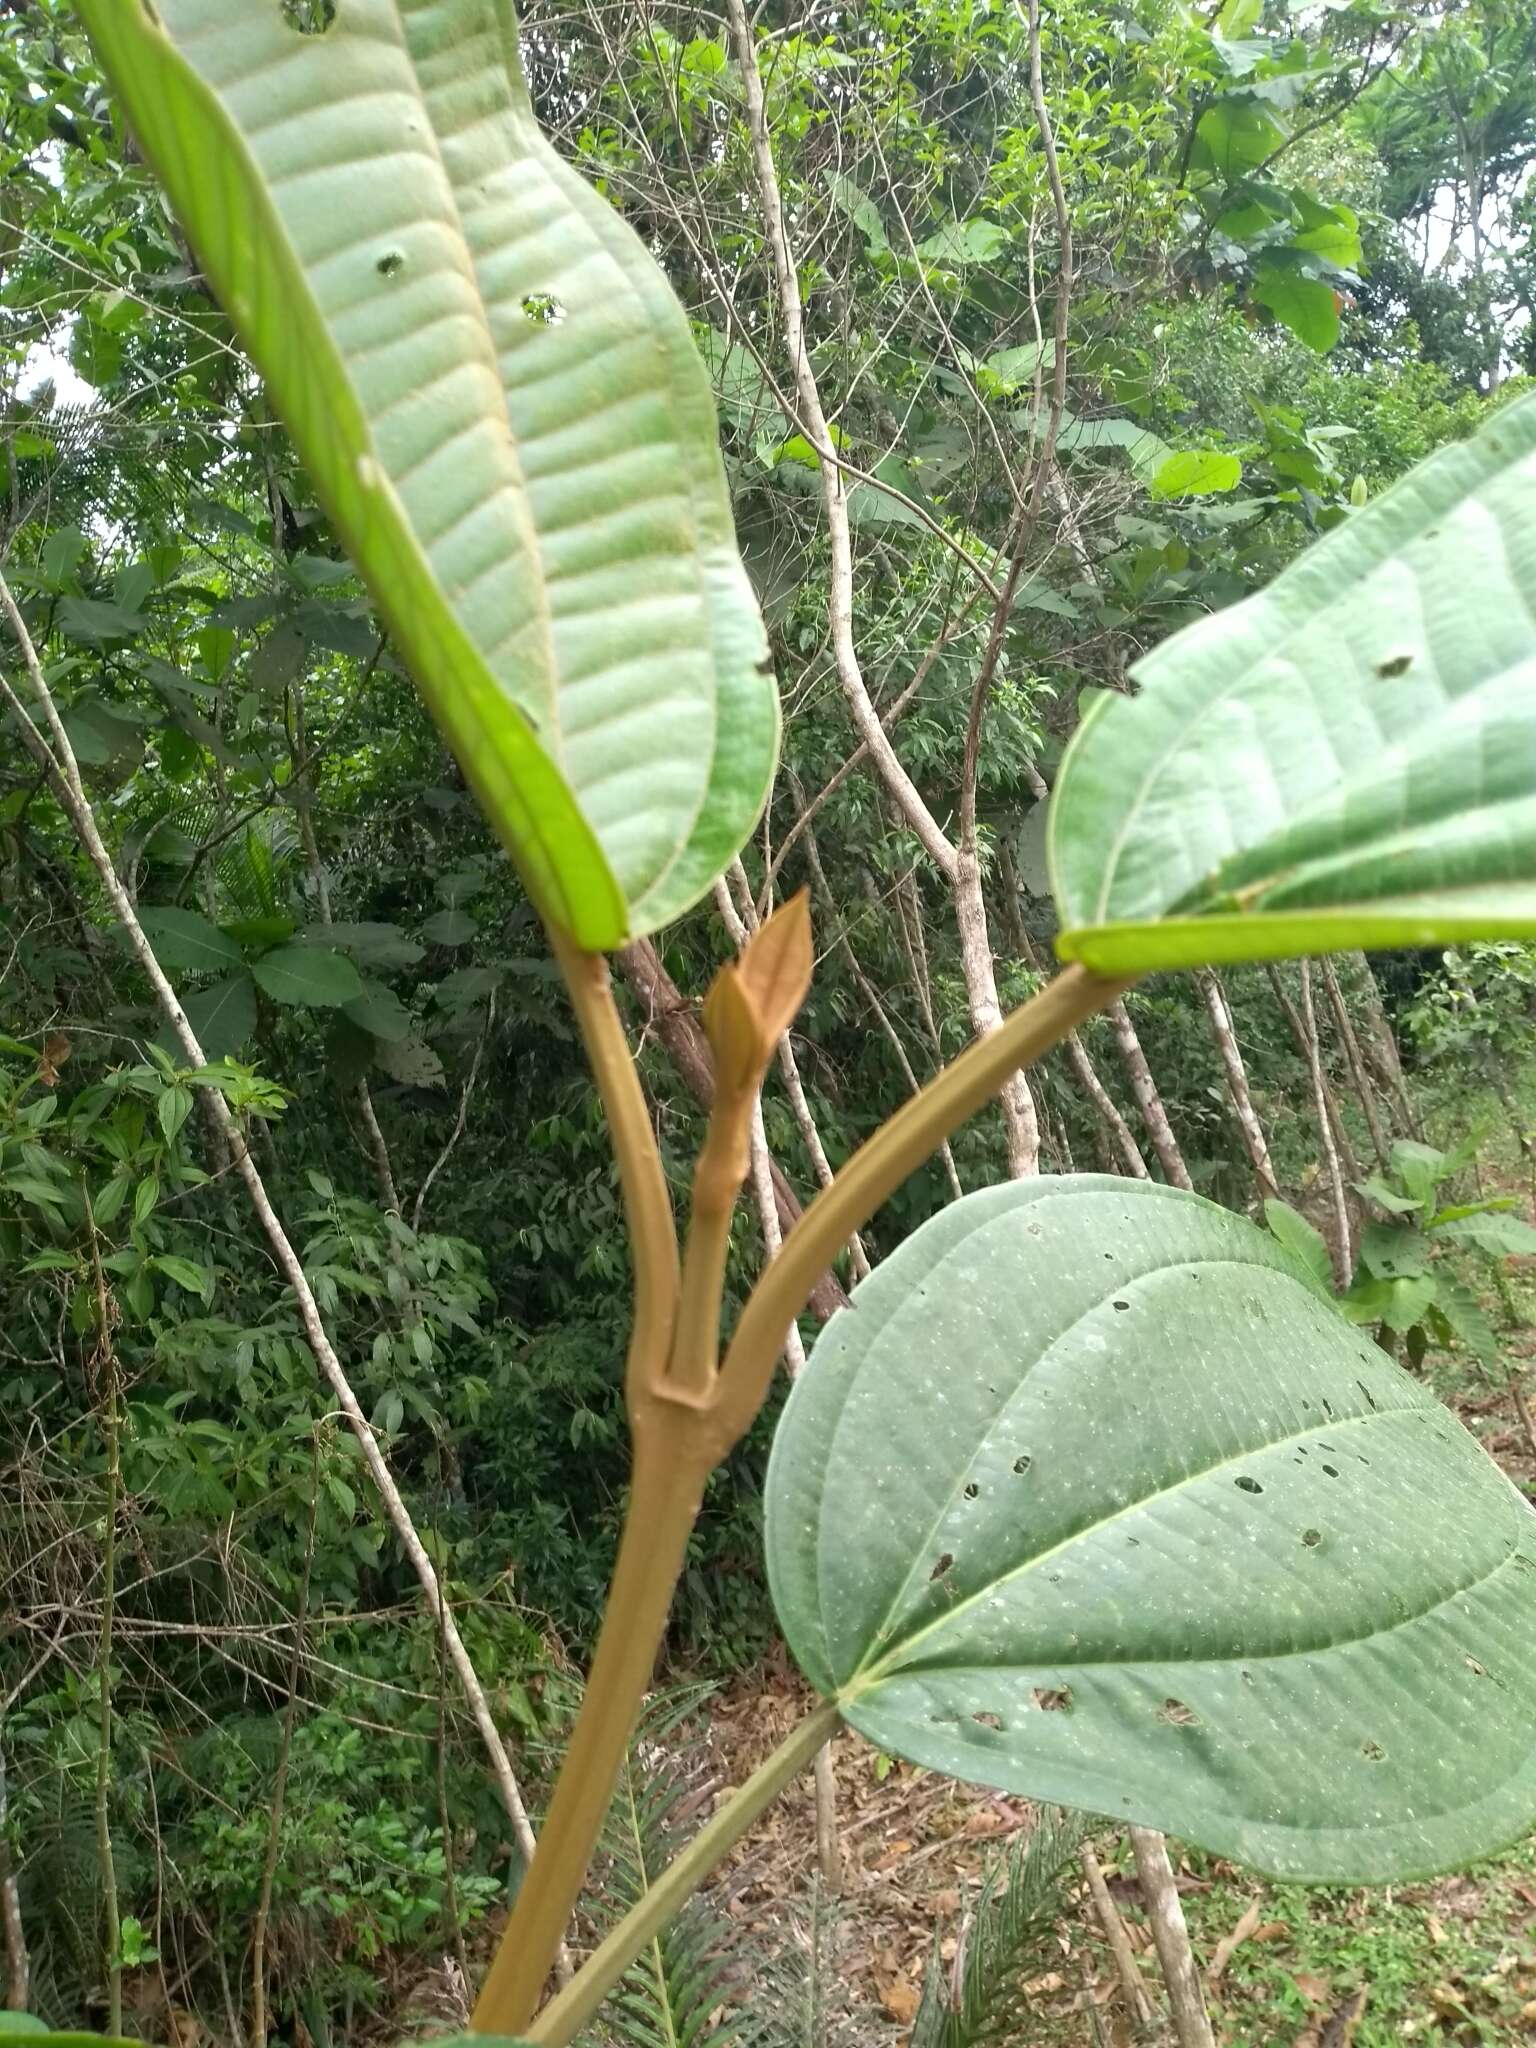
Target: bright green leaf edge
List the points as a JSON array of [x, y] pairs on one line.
[[1115, 950], [212, 177], [203, 162], [1176, 678]]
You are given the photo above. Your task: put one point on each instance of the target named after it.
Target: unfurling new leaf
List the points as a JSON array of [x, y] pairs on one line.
[[755, 998]]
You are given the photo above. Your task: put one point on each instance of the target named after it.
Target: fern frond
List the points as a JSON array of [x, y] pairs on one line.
[[803, 1998], [676, 1993], [979, 1999]]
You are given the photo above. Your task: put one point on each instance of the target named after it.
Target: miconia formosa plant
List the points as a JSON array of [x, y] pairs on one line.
[[1090, 1496]]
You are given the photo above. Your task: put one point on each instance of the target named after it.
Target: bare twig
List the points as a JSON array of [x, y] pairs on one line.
[[1148, 1099], [104, 1364], [18, 1962], [1252, 1130], [1343, 1256], [462, 1118], [959, 870]]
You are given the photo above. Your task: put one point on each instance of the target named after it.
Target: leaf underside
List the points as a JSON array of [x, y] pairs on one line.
[[1347, 758], [1090, 1497], [500, 404]]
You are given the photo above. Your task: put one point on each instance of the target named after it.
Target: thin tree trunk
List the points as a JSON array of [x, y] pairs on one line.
[[1119, 1941], [1254, 1141], [104, 1362], [1082, 1065], [958, 866], [1021, 1124], [1343, 1254], [378, 1150], [1335, 1114], [1380, 1046], [18, 1963], [866, 989], [273, 1849], [63, 771], [1355, 1060], [1170, 1932], [1078, 1056], [1148, 1100]]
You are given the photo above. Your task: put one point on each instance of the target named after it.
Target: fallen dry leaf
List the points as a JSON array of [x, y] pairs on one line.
[[900, 2000], [1312, 1988], [1229, 1944]]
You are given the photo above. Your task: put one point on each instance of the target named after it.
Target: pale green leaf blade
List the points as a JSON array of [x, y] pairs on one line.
[[1291, 1230], [1346, 759], [1090, 1497], [1196, 473], [500, 403]]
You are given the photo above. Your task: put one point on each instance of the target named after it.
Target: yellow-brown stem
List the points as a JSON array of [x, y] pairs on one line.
[[717, 1178], [879, 1167], [647, 1199], [681, 1433], [671, 1465]]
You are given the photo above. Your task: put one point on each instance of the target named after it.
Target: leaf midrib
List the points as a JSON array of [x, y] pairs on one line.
[[897, 1306], [873, 1674]]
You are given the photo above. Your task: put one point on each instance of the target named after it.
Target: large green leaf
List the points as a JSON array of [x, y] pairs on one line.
[[500, 403], [1347, 759], [1089, 1496], [222, 1015], [306, 975], [186, 941]]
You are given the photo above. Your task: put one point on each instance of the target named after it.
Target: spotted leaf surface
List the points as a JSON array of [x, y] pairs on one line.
[[499, 400], [1346, 759], [1089, 1497]]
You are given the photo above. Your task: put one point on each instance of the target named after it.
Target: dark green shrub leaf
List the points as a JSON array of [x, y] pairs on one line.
[[410, 1061], [1090, 1497], [379, 1010], [222, 1014], [306, 975], [1346, 759], [449, 928], [186, 942], [371, 945], [1305, 1244]]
